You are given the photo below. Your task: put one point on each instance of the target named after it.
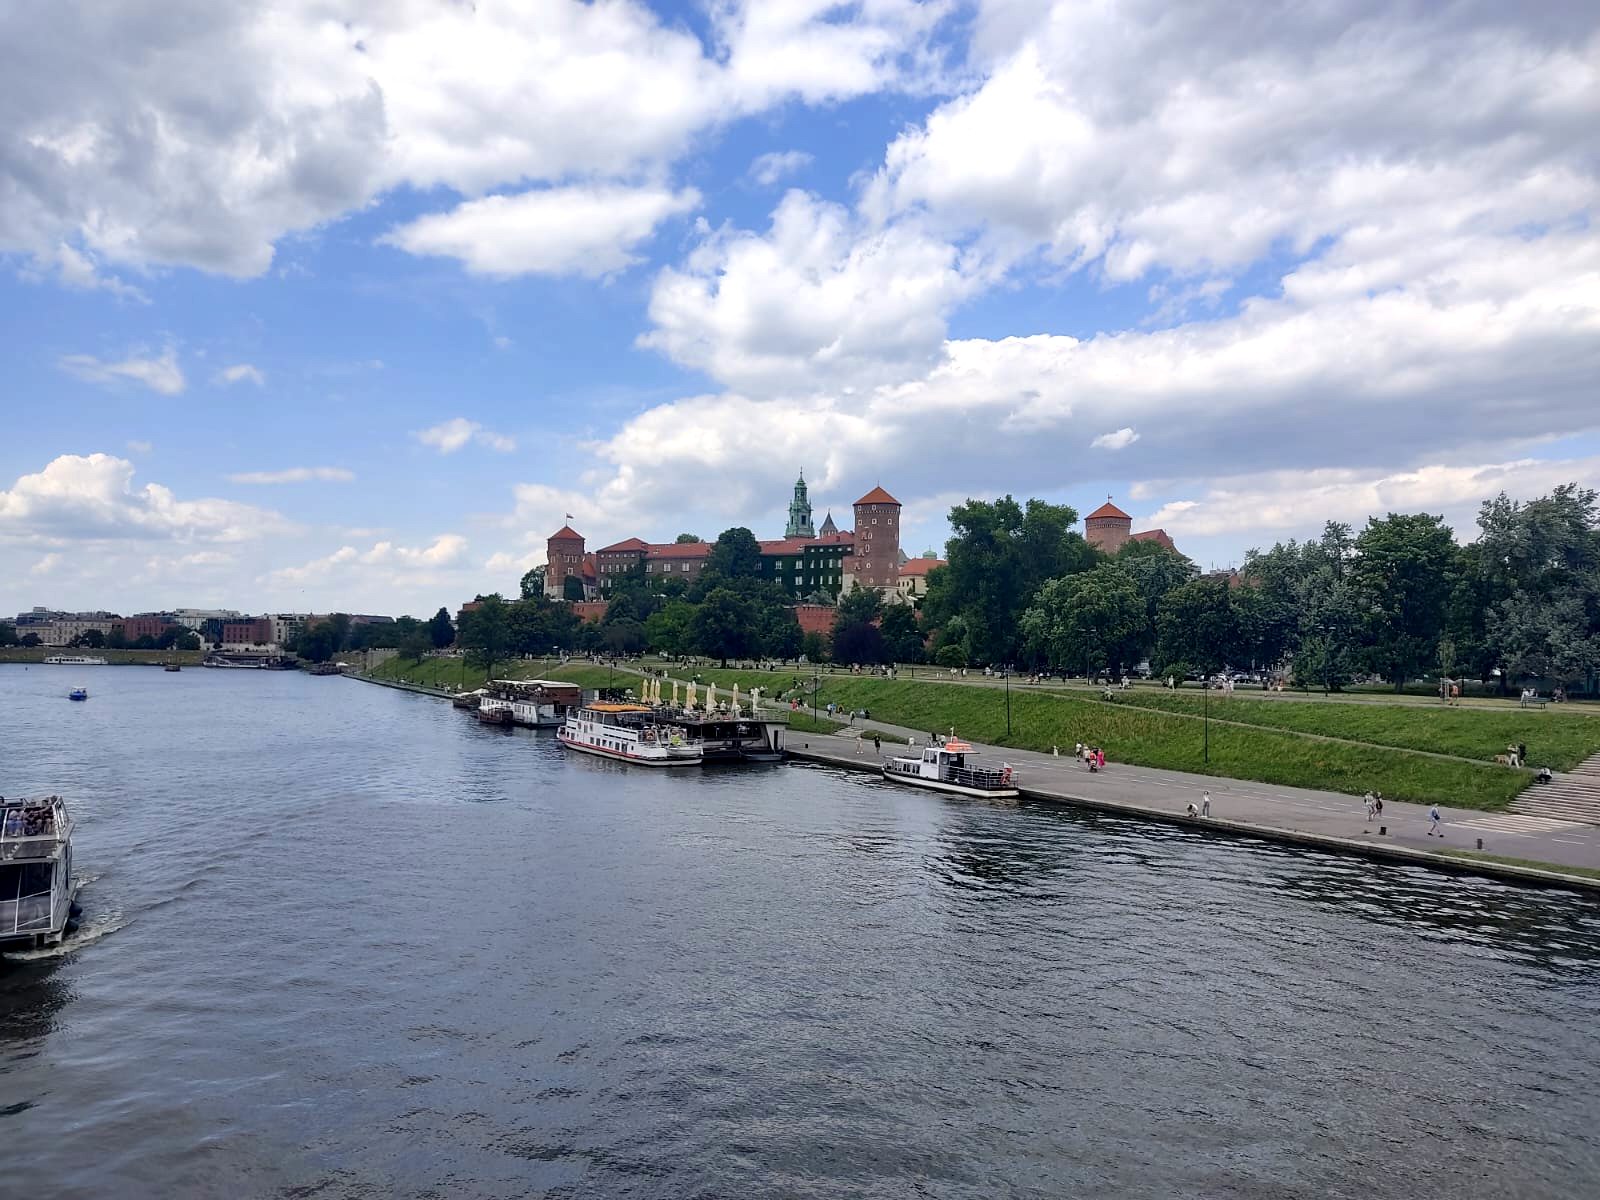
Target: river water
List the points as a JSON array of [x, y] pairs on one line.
[[340, 941]]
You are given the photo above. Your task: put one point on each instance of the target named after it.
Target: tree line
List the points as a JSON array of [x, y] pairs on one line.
[[1400, 599]]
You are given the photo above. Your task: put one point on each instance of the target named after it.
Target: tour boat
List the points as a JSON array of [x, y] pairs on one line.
[[172, 666], [74, 660], [946, 769], [78, 693], [36, 889], [536, 703], [629, 733]]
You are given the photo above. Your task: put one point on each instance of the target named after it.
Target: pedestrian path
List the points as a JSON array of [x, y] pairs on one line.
[[1570, 796]]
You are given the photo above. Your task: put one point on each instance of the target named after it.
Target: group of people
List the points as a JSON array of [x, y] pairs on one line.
[[35, 821], [1092, 757], [1374, 802]]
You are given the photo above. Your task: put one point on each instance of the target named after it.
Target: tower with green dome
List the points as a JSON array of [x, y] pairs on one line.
[[800, 512]]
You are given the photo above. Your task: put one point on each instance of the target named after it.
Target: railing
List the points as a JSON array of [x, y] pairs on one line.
[[34, 830], [26, 914], [981, 777]]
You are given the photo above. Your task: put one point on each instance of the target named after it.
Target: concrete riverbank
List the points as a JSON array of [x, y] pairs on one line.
[[1324, 820]]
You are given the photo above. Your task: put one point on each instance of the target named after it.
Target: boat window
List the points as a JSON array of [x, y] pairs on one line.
[[24, 879]]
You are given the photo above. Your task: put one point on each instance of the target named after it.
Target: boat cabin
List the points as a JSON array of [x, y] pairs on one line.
[[35, 869]]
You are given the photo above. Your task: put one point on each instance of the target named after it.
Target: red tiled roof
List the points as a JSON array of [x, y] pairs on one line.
[[566, 533], [632, 543], [591, 568], [877, 496], [920, 566], [1108, 509], [679, 550], [783, 545], [1159, 536]]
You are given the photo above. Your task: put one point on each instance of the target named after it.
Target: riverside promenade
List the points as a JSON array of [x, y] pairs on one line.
[[1327, 820]]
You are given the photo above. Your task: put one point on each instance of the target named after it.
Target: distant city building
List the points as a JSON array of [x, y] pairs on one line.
[[150, 625], [914, 575], [875, 561], [1108, 528], [196, 618], [256, 631]]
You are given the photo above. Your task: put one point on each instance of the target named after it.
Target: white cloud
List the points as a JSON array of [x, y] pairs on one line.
[[46, 565], [818, 299], [502, 343], [450, 436], [139, 447], [295, 475], [328, 107], [75, 269], [79, 497], [768, 169], [241, 373], [162, 374], [448, 550], [585, 230], [1120, 440], [1280, 503]]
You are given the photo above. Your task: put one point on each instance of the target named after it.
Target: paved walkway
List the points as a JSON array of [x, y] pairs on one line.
[[1331, 819]]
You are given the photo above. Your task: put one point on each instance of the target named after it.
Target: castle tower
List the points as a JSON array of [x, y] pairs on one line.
[[800, 512], [828, 527], [1107, 527], [876, 560], [563, 556]]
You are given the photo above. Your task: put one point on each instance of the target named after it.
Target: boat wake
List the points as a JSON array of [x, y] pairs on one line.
[[92, 926]]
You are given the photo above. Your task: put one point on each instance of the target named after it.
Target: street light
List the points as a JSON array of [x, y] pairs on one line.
[[1007, 672], [1205, 722], [1089, 632]]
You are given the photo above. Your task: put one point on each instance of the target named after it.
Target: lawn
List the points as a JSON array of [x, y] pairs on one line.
[[1555, 738], [1147, 737]]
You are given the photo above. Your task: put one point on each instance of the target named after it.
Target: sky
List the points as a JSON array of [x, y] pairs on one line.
[[318, 305]]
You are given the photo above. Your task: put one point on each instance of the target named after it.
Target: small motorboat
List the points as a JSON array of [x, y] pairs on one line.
[[948, 768], [78, 693], [172, 666]]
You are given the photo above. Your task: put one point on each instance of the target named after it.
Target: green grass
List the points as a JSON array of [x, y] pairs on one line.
[[1531, 863], [1146, 737], [1560, 740]]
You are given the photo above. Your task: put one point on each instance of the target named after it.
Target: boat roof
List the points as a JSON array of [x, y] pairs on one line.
[[609, 706], [956, 746]]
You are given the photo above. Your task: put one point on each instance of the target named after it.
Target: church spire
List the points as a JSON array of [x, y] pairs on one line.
[[800, 512]]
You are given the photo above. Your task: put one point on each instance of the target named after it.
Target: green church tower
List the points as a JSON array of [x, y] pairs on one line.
[[800, 512]]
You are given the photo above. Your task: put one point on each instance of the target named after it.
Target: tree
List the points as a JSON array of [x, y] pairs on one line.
[[858, 642], [168, 637], [441, 632], [903, 639], [778, 633], [117, 639], [723, 627], [812, 647], [29, 639], [685, 539], [1093, 619], [315, 643], [483, 632], [667, 630], [735, 555], [8, 634], [1403, 575], [572, 588], [1000, 554], [622, 637], [951, 656], [187, 640], [1196, 625], [415, 645], [533, 583], [94, 639]]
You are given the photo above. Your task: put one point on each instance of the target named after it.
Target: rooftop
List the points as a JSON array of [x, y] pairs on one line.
[[680, 550], [877, 496], [920, 566], [566, 533], [632, 543], [1108, 509]]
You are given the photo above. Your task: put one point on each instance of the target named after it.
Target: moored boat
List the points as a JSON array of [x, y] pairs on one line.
[[950, 768], [628, 733], [495, 716], [172, 666], [36, 888], [74, 660], [535, 703]]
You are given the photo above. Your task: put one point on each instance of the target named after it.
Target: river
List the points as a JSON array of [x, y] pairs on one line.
[[340, 941]]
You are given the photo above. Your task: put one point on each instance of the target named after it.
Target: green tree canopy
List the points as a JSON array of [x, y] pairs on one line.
[[1095, 618], [735, 555], [483, 632], [1196, 625], [441, 631], [1403, 574], [723, 626]]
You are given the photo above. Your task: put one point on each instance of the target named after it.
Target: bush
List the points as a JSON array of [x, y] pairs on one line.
[[951, 656]]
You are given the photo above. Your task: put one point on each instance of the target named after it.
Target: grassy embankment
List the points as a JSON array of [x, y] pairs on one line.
[[1555, 738], [124, 658], [1146, 737]]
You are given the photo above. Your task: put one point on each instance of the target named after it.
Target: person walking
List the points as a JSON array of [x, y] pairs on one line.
[[1377, 805], [1205, 804], [1434, 821], [1369, 800], [877, 744]]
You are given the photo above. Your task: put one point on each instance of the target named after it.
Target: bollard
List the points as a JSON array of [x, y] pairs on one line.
[[1480, 843], [1383, 830]]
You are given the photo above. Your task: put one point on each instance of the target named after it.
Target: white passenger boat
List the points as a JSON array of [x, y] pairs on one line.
[[949, 768], [535, 703], [628, 733], [74, 660], [36, 889]]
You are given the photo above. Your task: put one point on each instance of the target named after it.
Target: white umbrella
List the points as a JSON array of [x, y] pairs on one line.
[[688, 700], [711, 696], [735, 700], [674, 693]]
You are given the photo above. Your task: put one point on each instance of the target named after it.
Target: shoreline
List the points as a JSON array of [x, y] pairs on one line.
[[1231, 827]]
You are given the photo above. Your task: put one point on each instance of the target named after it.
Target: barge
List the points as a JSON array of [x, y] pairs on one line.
[[634, 733], [36, 888]]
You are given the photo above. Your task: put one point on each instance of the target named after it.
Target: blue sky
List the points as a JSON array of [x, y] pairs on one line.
[[305, 313]]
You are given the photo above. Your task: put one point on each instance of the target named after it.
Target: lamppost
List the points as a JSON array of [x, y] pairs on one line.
[[1205, 722], [1088, 634], [816, 683], [1007, 672]]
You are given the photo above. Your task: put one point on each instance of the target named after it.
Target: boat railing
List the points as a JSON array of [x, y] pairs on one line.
[[981, 777], [33, 830], [26, 914]]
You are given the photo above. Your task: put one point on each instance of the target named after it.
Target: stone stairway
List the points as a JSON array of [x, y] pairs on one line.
[[1571, 796]]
